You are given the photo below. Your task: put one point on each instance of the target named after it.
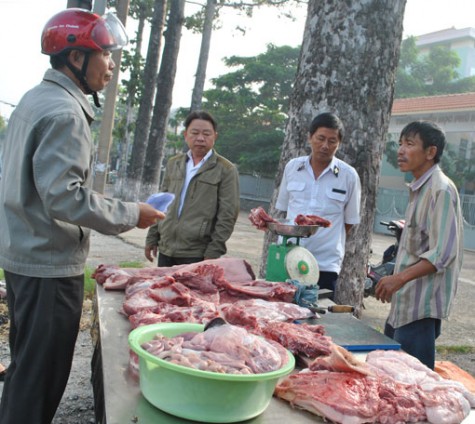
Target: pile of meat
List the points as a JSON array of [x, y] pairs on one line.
[[223, 288], [227, 349], [260, 218], [390, 387]]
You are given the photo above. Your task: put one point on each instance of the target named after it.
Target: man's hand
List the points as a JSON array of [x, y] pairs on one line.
[[148, 215], [151, 252], [387, 286], [390, 284]]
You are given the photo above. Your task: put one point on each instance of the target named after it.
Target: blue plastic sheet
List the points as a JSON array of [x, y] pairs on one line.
[[161, 201]]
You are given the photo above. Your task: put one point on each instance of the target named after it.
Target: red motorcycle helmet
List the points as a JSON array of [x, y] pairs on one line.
[[82, 30]]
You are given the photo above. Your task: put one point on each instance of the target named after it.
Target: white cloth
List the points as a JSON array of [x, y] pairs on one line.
[[191, 170], [335, 195]]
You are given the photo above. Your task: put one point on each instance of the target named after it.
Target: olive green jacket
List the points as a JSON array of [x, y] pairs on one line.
[[209, 212]]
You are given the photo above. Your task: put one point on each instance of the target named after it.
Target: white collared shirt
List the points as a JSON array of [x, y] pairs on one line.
[[335, 195], [191, 171]]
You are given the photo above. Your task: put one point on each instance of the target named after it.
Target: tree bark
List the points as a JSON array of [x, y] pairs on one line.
[[130, 103], [135, 168], [347, 65], [197, 95], [107, 122], [163, 100]]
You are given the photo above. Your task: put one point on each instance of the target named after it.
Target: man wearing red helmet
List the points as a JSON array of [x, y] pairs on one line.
[[49, 207]]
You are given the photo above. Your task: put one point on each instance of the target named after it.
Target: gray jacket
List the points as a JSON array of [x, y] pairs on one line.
[[47, 204], [209, 213]]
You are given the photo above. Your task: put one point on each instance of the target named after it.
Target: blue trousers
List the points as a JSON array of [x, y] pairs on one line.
[[417, 338]]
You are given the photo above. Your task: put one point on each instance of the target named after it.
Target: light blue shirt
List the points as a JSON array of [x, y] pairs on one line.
[[191, 171]]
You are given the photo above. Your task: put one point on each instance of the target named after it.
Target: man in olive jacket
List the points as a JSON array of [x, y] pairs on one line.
[[206, 186]]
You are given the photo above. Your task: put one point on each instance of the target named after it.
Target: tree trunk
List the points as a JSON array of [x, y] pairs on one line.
[[135, 168], [347, 65], [107, 122], [197, 95], [130, 106], [163, 100]]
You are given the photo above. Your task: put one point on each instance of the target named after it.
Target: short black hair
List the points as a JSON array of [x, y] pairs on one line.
[[430, 134], [200, 114], [58, 61], [327, 120]]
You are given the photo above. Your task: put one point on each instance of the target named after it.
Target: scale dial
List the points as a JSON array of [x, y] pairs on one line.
[[301, 265]]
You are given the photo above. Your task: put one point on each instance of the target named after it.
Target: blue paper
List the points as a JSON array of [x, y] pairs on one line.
[[161, 201]]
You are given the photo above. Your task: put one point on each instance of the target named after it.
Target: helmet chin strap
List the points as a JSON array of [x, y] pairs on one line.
[[81, 76]]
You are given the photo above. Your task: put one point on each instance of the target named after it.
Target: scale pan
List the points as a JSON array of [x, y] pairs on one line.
[[292, 230]]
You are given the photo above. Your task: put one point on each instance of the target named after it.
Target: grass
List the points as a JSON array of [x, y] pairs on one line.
[[444, 350], [90, 283]]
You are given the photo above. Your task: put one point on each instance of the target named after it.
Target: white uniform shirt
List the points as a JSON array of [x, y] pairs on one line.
[[335, 195], [191, 170]]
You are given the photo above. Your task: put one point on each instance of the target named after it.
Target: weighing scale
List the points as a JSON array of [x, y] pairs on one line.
[[287, 260]]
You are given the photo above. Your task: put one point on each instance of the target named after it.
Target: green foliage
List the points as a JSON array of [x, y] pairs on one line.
[[250, 105], [458, 169], [430, 74]]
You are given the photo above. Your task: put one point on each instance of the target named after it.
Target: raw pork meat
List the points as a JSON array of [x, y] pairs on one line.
[[301, 339], [225, 349], [451, 397], [167, 290], [272, 291], [138, 301], [312, 220], [259, 218], [112, 277], [340, 360], [450, 371], [165, 312], [400, 390], [251, 312], [353, 398]]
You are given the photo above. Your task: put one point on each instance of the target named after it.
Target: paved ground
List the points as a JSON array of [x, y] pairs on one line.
[[246, 242]]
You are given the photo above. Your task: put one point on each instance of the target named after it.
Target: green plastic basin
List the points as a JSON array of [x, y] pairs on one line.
[[200, 395]]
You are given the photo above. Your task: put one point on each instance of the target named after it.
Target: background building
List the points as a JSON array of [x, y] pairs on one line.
[[462, 41]]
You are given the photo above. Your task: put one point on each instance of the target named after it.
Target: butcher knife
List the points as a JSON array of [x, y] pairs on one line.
[[333, 308]]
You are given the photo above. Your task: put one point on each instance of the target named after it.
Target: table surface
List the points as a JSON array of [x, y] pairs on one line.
[[120, 396], [123, 402]]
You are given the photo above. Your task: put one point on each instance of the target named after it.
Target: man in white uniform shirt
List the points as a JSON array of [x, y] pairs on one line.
[[323, 185]]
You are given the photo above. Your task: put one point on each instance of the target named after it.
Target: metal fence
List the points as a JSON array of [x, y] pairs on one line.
[[390, 204]]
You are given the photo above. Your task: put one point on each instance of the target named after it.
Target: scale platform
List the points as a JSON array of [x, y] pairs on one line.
[[354, 335]]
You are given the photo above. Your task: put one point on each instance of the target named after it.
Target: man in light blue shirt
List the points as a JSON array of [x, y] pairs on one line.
[[202, 217]]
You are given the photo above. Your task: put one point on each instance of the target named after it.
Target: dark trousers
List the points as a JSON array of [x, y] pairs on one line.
[[44, 323], [417, 338], [164, 260], [327, 280]]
